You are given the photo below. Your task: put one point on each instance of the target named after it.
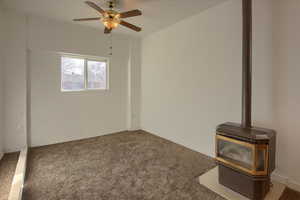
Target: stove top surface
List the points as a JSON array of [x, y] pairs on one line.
[[253, 134]]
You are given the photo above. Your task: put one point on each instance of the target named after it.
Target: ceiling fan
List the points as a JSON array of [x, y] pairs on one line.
[[112, 18]]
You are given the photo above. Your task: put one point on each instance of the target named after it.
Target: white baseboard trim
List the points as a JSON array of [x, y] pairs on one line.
[[16, 190], [286, 181], [294, 185], [133, 129], [279, 178]]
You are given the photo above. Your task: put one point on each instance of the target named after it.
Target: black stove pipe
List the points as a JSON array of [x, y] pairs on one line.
[[247, 65]]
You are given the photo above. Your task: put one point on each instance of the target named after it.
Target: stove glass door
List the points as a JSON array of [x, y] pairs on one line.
[[248, 157]]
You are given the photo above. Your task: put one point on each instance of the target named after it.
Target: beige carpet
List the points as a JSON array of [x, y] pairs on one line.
[[8, 166], [123, 166]]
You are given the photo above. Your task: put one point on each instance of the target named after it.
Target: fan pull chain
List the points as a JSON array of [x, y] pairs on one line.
[[110, 45]]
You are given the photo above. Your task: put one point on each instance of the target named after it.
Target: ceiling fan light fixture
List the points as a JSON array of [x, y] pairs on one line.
[[111, 19]]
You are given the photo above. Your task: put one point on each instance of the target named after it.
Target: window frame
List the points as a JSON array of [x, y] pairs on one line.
[[86, 59]]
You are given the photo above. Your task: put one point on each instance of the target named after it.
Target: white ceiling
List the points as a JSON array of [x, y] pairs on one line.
[[157, 14]]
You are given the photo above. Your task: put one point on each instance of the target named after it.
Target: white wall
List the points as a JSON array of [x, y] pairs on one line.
[[191, 76], [57, 116], [2, 38], [36, 112], [286, 91], [263, 70], [15, 82], [134, 85]]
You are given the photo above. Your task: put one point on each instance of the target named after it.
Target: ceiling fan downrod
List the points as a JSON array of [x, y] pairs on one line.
[[111, 5]]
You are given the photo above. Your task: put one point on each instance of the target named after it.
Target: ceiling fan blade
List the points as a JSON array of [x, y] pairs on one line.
[[131, 26], [96, 7], [107, 31], [87, 19], [131, 13]]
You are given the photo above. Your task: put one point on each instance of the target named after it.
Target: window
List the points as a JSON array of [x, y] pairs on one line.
[[96, 75], [72, 74], [80, 73]]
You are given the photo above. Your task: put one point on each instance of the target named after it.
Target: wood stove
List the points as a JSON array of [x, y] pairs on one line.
[[246, 158], [246, 154]]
